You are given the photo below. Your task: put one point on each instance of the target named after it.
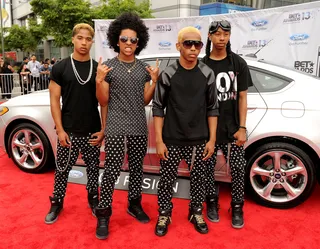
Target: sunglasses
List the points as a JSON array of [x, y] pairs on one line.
[[124, 39], [225, 25], [189, 43]]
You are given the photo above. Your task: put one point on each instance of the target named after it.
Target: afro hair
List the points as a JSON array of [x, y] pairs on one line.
[[131, 21]]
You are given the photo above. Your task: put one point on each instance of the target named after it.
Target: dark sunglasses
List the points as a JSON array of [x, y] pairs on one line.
[[189, 43], [225, 25], [124, 39]]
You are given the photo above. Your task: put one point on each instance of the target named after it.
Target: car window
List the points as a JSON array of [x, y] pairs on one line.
[[266, 81]]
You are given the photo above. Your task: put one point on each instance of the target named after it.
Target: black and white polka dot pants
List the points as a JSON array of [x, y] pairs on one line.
[[115, 148], [237, 166], [67, 157], [193, 156]]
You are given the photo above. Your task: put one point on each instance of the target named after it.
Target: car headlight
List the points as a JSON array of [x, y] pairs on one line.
[[3, 110]]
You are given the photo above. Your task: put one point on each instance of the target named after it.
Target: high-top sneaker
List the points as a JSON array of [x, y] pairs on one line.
[[55, 209], [237, 214], [196, 218], [163, 222], [135, 210], [103, 217], [213, 208], [93, 201]]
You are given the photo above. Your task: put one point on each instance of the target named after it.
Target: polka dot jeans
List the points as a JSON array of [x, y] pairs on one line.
[[115, 148], [237, 167], [193, 156], [67, 157]]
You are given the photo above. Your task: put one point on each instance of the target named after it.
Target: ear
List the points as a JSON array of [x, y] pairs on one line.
[[178, 46]]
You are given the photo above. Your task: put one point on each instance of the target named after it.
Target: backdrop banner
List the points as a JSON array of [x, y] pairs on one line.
[[285, 36]]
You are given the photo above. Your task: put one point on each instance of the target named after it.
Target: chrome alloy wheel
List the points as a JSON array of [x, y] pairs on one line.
[[27, 148], [278, 176]]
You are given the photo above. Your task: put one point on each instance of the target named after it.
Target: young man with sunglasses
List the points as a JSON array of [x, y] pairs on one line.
[[124, 84], [187, 129], [232, 81], [77, 123]]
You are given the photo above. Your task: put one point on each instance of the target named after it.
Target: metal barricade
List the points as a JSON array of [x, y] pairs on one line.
[[14, 84]]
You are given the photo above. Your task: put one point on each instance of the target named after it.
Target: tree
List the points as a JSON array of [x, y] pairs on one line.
[[115, 7], [59, 16]]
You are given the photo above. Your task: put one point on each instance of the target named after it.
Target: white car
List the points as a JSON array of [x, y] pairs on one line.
[[282, 151]]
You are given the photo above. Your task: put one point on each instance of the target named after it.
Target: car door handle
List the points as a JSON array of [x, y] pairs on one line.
[[251, 109]]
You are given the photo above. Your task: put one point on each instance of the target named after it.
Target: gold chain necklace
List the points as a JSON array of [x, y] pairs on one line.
[[129, 70]]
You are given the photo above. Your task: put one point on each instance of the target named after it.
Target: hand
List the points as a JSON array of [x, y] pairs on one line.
[[162, 151], [240, 136], [208, 150], [96, 138], [154, 72], [102, 71], [63, 139]]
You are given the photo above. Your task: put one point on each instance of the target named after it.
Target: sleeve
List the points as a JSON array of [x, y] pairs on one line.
[[212, 96], [56, 74], [244, 78], [160, 97]]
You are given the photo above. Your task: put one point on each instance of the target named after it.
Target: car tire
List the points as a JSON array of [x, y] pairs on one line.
[[29, 148], [280, 175]]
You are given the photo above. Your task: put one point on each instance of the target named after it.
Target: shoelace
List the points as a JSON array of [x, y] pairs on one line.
[[103, 222], [163, 220], [199, 218]]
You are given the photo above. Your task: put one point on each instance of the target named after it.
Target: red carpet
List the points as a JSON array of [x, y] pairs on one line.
[[24, 203]]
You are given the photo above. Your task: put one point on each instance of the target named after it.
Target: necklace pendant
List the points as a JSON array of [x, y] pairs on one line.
[[129, 71]]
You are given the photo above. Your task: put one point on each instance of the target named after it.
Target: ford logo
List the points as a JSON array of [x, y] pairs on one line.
[[259, 23], [75, 174], [164, 44], [299, 37], [198, 26]]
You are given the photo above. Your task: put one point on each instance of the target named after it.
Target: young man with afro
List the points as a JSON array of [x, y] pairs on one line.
[[124, 84]]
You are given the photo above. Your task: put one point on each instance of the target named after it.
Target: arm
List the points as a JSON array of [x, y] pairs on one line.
[[102, 87], [212, 113], [149, 89], [55, 93], [241, 135], [148, 92], [158, 105], [97, 137]]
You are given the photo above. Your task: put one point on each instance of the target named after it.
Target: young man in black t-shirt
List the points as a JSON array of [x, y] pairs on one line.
[[78, 124], [123, 84], [187, 129], [232, 81]]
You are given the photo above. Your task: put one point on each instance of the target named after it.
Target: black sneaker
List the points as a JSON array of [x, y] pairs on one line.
[[55, 209], [93, 201], [163, 222], [237, 214], [103, 218], [196, 218], [136, 211], [213, 208]]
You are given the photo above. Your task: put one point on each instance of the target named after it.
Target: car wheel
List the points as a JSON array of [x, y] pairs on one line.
[[280, 175], [29, 148]]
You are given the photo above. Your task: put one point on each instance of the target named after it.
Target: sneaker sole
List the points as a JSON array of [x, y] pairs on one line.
[[101, 237], [214, 221], [237, 227], [143, 222], [161, 235], [50, 222]]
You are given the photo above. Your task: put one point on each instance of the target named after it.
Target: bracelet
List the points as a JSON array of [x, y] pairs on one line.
[[242, 127]]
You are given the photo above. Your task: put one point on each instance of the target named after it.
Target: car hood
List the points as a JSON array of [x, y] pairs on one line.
[[39, 98]]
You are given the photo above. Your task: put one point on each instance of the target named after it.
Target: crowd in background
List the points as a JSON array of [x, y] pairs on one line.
[[31, 75]]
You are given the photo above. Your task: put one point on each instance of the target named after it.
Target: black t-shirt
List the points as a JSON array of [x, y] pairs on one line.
[[80, 113], [232, 76], [189, 97]]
